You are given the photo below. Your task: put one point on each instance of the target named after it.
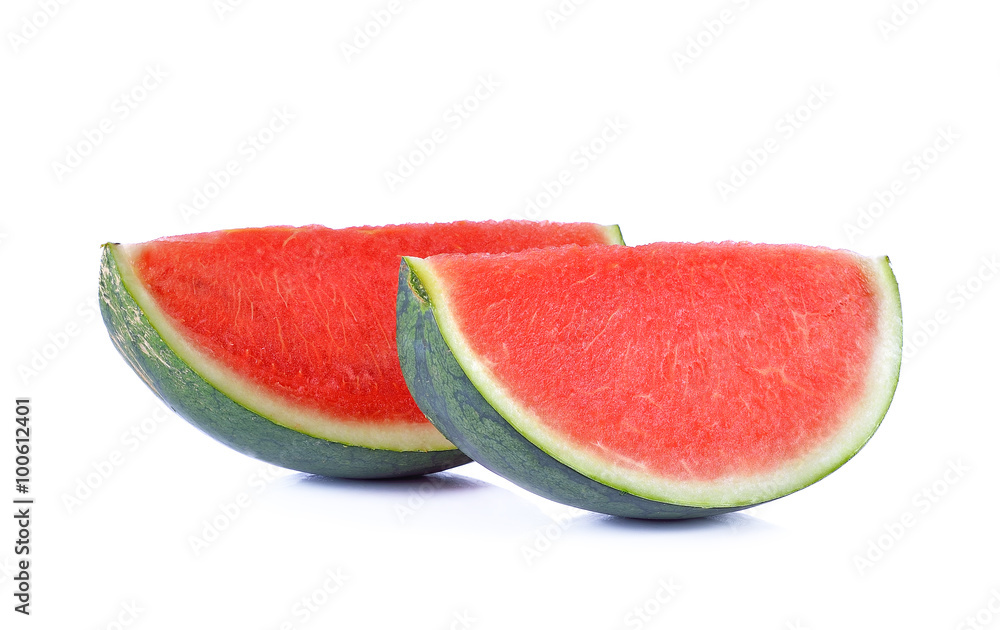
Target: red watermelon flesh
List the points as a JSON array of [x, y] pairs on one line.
[[305, 317], [691, 362]]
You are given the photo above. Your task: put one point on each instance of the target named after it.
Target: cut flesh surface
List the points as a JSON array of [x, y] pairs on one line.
[[713, 374], [298, 324]]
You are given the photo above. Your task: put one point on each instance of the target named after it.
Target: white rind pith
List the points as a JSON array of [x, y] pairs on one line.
[[731, 491], [352, 432]]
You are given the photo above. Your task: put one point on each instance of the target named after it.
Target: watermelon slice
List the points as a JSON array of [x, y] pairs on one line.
[[280, 342], [669, 380]]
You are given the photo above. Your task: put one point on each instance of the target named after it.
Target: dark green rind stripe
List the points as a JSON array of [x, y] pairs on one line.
[[446, 396], [207, 408]]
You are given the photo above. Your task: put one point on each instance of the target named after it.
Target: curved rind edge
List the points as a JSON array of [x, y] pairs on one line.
[[214, 413], [445, 394], [882, 386], [892, 316]]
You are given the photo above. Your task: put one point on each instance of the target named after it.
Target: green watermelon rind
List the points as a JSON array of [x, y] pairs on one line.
[[440, 383], [206, 407]]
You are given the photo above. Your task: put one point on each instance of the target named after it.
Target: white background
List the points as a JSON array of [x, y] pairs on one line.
[[434, 553]]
